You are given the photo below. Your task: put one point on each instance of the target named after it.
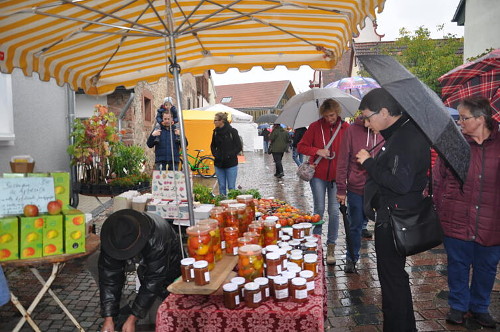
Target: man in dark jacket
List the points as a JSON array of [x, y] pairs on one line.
[[297, 136], [397, 177], [151, 242], [167, 143]]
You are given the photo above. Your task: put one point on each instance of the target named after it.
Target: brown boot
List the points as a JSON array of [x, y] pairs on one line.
[[330, 254]]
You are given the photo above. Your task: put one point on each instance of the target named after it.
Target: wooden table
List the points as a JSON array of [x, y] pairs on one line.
[[57, 261]]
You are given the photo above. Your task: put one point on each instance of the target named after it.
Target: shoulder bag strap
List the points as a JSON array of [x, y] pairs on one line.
[[430, 174], [316, 162]]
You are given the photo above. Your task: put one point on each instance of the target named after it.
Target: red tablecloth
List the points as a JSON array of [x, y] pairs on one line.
[[207, 313]]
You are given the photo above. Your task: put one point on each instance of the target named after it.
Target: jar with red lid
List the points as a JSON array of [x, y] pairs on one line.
[[241, 286], [216, 237], [200, 244], [231, 236], [311, 263], [231, 295], [253, 295], [298, 290], [218, 213], [270, 232], [273, 264], [280, 286], [250, 262], [309, 276], [241, 215], [253, 236], [257, 227], [264, 287], [187, 269], [250, 207], [201, 274]]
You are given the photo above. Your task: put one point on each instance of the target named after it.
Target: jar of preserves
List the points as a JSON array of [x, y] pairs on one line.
[[253, 295], [278, 229], [298, 231], [241, 286], [280, 286], [257, 227], [311, 238], [270, 232], [231, 236], [283, 258], [187, 269], [250, 262], [309, 276], [242, 241], [271, 284], [289, 276], [307, 227], [231, 216], [285, 238], [294, 268], [273, 263], [241, 217], [297, 258], [253, 236], [201, 274], [200, 244], [231, 295], [298, 290], [216, 237], [310, 248], [286, 247], [311, 263], [218, 213], [226, 202], [295, 244], [264, 287], [250, 207]]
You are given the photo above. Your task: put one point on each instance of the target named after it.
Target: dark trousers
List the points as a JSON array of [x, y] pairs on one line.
[[397, 303], [277, 156]]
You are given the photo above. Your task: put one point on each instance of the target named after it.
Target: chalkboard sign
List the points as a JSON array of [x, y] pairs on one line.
[[15, 193]]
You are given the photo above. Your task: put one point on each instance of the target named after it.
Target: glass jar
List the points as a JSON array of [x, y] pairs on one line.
[[226, 202], [257, 227], [273, 263], [240, 282], [200, 244], [218, 213], [309, 276], [295, 244], [307, 227], [231, 216], [231, 295], [278, 229], [283, 258], [250, 262], [250, 207], [298, 290], [264, 287], [201, 274], [297, 258], [270, 232], [253, 236], [187, 269], [298, 231], [242, 241], [289, 276], [216, 237], [311, 238], [231, 236], [311, 263], [294, 268], [285, 238], [271, 284], [286, 247], [241, 217], [310, 248], [253, 295], [280, 286]]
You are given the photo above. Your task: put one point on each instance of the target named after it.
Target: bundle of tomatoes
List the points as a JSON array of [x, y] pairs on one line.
[[287, 214]]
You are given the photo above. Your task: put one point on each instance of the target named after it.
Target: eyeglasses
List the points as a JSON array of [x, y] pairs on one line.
[[367, 118], [461, 118]]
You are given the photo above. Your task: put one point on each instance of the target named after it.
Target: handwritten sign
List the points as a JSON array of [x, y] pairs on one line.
[[15, 193]]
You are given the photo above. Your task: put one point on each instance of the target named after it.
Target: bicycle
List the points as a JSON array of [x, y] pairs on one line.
[[204, 165]]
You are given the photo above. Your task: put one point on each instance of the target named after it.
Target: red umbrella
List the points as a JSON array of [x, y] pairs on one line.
[[477, 78]]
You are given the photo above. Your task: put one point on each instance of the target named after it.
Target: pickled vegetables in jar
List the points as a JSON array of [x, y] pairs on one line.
[[231, 236], [257, 226], [254, 237], [199, 244], [250, 207], [270, 232], [218, 213], [231, 216], [216, 237], [241, 217], [250, 262]]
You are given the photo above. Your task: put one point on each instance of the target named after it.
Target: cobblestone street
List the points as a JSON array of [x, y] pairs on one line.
[[354, 300]]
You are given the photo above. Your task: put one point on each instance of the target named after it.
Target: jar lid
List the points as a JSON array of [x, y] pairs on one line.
[[272, 247], [297, 226], [310, 258], [281, 251], [285, 238], [306, 225], [230, 287], [306, 274], [200, 264], [294, 242], [237, 205], [291, 264], [230, 229], [296, 255], [272, 255], [198, 229], [280, 280], [295, 251], [278, 225], [310, 245], [311, 238], [285, 246], [217, 209], [228, 201], [261, 281], [289, 274], [250, 234], [251, 286], [294, 268], [271, 218], [238, 280], [250, 249], [299, 281], [187, 261], [212, 223], [244, 197]]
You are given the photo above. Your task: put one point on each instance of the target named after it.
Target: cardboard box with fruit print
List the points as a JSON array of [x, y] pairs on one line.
[[9, 238], [31, 237], [53, 235], [61, 186], [74, 231]]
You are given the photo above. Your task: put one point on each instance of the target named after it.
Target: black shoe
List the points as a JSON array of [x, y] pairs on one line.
[[455, 317], [366, 234], [350, 267], [280, 175], [484, 319]]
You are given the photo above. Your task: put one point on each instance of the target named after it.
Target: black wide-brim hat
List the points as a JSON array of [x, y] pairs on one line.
[[125, 233]]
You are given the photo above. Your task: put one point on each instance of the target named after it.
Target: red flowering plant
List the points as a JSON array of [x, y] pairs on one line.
[[93, 142]]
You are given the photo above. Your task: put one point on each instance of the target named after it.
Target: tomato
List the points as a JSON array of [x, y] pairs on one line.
[[209, 258], [205, 238], [316, 218], [193, 243]]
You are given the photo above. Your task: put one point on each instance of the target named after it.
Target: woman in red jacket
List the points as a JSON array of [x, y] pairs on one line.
[[313, 144], [470, 215]]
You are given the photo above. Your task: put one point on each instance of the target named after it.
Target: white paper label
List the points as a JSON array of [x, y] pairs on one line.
[[310, 285], [281, 293], [285, 264], [191, 273], [207, 276], [237, 299], [279, 269], [300, 293], [257, 297], [267, 292], [235, 251], [223, 245], [316, 268]]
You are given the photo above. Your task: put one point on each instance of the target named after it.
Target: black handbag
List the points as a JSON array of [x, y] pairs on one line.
[[418, 229]]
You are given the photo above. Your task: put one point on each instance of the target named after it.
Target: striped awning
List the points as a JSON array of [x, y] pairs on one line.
[[97, 45]]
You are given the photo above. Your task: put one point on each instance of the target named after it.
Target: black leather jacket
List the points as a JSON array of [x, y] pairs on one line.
[[159, 266]]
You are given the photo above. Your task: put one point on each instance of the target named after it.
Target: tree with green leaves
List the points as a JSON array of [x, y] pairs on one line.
[[426, 58]]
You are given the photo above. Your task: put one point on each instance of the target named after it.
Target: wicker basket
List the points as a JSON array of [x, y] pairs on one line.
[[20, 167]]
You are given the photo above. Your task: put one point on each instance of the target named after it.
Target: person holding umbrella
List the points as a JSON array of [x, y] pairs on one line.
[[470, 215], [316, 144], [397, 176]]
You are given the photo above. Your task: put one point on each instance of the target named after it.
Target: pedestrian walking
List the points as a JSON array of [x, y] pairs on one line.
[[279, 140], [297, 157]]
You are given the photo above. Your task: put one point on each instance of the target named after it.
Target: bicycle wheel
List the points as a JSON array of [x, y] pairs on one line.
[[206, 167]]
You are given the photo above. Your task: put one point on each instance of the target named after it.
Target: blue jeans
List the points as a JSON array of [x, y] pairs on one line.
[[297, 157], [320, 189], [266, 146], [357, 218], [462, 256], [226, 178]]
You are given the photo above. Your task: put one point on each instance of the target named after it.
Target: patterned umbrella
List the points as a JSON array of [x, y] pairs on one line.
[[478, 78], [357, 86]]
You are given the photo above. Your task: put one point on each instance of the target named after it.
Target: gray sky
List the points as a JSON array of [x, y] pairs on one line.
[[397, 14]]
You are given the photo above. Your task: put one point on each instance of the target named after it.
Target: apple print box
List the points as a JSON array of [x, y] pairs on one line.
[[169, 185]]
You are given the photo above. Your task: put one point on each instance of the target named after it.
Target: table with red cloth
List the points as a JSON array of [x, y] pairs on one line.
[[207, 313]]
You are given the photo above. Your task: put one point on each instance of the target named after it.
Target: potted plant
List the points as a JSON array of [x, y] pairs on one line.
[[127, 164]]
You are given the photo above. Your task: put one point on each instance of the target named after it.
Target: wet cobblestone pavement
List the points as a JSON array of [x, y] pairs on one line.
[[354, 300]]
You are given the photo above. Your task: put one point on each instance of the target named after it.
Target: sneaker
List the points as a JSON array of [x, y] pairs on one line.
[[350, 267], [455, 317], [366, 234], [484, 318]]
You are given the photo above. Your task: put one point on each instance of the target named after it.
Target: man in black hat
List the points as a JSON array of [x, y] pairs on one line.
[[151, 242]]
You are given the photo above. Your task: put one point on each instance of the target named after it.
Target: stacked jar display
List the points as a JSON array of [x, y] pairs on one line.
[[215, 235], [200, 244]]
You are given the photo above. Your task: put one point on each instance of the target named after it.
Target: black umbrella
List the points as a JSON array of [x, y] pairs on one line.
[[347, 229], [267, 118], [424, 107]]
